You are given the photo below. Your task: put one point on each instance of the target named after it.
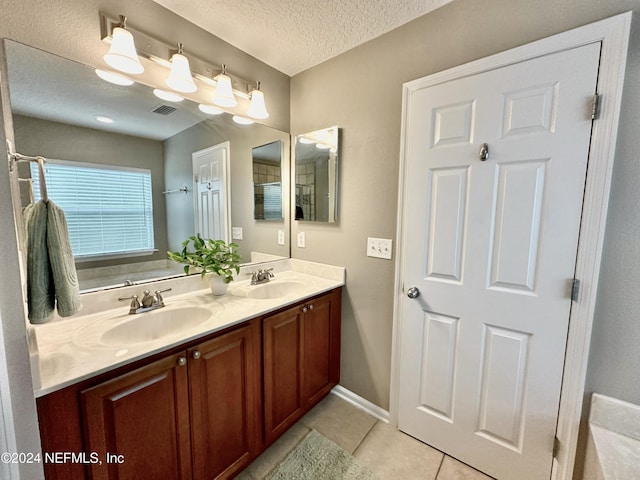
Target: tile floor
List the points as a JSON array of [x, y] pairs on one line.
[[389, 453]]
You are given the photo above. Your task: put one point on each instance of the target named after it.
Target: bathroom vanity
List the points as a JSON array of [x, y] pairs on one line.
[[203, 406]]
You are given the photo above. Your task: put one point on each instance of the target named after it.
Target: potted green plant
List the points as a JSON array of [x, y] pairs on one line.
[[215, 256]]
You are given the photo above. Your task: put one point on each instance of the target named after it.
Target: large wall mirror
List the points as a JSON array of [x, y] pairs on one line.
[[316, 176], [56, 104]]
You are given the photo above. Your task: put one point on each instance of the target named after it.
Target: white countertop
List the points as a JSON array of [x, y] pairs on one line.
[[71, 350], [613, 449]]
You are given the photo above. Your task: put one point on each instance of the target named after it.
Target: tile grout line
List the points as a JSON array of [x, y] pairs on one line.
[[363, 438], [440, 467]]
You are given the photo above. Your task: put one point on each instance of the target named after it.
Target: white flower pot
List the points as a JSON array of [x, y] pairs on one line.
[[217, 285]]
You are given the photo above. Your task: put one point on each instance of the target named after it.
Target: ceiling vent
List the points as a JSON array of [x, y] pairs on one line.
[[164, 110]]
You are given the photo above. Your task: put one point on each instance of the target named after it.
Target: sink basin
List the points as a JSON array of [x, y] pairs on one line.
[[154, 325], [273, 289]]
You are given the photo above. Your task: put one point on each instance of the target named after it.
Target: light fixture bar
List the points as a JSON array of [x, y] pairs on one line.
[[160, 52]]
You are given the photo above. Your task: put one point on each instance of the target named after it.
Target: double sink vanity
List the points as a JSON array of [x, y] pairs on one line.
[[194, 390], [200, 386]]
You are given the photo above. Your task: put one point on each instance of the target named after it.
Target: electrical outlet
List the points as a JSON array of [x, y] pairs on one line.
[[280, 237], [379, 248], [301, 240], [236, 233]]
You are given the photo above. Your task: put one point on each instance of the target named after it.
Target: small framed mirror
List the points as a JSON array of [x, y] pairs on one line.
[[267, 181], [316, 176]]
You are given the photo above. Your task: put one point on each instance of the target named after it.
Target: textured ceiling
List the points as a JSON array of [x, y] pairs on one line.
[[294, 35]]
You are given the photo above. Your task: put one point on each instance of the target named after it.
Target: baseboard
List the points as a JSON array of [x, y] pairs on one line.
[[362, 403]]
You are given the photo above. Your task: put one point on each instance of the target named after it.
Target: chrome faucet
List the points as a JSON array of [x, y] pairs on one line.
[[149, 302], [261, 276]]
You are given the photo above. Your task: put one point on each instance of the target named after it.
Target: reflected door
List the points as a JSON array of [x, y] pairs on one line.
[[491, 244], [211, 187]]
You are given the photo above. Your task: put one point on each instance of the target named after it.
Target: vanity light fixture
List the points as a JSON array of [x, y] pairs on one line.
[[114, 78], [209, 110], [242, 120], [122, 53], [183, 72], [257, 108], [223, 95], [180, 78], [168, 96]]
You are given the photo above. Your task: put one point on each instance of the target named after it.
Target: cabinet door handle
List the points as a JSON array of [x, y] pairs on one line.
[[304, 309], [182, 361], [311, 306], [196, 355]]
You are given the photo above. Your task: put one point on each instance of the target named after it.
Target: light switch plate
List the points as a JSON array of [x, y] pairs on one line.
[[280, 237], [236, 233], [379, 247], [301, 240]]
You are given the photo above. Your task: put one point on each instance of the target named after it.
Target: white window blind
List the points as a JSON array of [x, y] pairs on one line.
[[108, 209], [272, 201]]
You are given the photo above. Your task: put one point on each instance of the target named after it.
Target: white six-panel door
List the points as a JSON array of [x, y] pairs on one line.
[[491, 246], [210, 180]]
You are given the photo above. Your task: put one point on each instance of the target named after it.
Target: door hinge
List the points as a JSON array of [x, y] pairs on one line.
[[595, 107], [556, 447], [575, 290]]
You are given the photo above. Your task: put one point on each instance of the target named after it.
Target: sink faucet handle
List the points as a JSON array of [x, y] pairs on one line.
[[135, 304], [254, 276], [159, 301], [270, 272]]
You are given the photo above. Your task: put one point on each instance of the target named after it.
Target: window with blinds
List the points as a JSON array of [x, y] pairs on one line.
[[272, 201], [108, 209], [268, 201]]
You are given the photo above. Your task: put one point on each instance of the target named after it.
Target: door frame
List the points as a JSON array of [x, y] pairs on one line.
[[613, 32]]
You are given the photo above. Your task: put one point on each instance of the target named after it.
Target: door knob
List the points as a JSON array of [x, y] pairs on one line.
[[413, 292], [484, 152]]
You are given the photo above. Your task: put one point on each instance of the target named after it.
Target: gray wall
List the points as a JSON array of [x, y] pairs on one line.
[[360, 91], [258, 236], [68, 142]]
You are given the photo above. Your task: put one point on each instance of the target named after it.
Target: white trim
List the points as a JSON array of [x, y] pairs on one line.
[[614, 35], [362, 403]]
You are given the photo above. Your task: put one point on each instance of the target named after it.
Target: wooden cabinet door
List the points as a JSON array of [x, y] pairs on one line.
[[282, 350], [143, 416], [301, 348], [321, 349], [224, 382]]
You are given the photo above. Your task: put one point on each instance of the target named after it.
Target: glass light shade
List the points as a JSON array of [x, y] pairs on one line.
[[242, 120], [306, 140], [122, 53], [257, 109], [322, 146], [224, 96], [114, 78], [209, 110], [180, 78], [103, 119], [168, 96]]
